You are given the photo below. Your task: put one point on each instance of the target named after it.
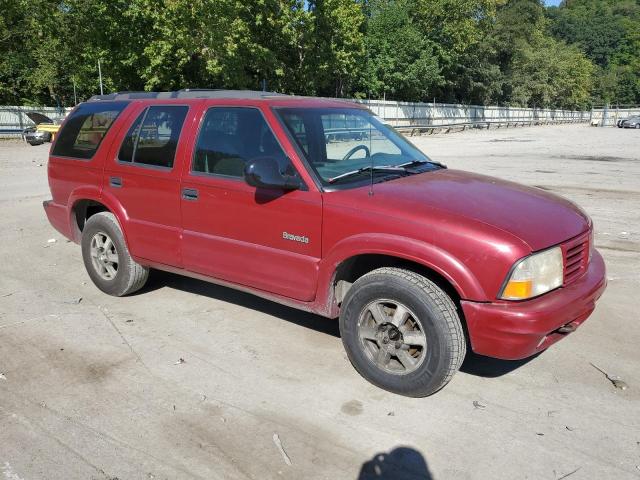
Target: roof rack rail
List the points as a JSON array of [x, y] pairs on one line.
[[187, 93]]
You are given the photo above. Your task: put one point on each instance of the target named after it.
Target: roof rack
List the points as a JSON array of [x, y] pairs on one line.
[[188, 93]]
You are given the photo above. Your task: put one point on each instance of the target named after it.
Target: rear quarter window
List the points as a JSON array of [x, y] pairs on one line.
[[85, 128]]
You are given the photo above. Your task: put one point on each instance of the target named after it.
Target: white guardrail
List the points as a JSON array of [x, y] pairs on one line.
[[13, 119], [609, 116], [436, 117], [412, 118]]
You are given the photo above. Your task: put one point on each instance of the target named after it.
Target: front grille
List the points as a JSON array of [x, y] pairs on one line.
[[575, 254]]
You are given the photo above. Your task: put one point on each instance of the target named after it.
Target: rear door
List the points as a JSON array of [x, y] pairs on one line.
[[143, 175], [265, 239]]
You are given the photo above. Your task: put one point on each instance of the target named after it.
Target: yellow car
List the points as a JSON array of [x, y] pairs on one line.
[[44, 130]]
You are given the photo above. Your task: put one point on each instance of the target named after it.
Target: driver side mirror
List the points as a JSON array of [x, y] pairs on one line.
[[264, 172]]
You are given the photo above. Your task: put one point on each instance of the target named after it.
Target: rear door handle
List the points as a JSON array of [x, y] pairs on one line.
[[189, 193], [115, 182]]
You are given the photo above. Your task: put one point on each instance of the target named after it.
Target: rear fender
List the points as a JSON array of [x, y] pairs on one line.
[[103, 197]]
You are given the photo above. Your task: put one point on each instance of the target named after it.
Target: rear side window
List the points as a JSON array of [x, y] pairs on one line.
[[85, 128], [232, 136], [153, 137]]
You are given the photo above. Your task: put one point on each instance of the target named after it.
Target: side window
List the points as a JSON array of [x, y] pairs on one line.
[[85, 128], [232, 136], [153, 137], [129, 143]]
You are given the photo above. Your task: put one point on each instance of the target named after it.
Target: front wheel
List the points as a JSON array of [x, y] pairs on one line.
[[402, 332]]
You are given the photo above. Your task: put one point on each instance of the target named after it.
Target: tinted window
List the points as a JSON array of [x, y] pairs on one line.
[[126, 150], [231, 137], [153, 137], [85, 128]]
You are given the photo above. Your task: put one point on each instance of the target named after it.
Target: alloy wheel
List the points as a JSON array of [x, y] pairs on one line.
[[104, 256], [392, 337]]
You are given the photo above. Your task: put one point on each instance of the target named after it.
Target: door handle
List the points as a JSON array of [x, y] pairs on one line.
[[115, 182], [189, 193]]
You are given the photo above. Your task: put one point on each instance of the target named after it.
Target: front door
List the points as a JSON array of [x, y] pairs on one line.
[[144, 176], [264, 239]]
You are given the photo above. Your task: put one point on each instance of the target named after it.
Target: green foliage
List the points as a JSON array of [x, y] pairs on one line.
[[548, 72], [538, 70], [468, 51], [608, 32], [401, 60]]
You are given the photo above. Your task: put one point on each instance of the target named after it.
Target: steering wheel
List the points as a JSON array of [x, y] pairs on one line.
[[355, 149]]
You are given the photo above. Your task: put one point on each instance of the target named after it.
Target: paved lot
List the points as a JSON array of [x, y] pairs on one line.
[[94, 388]]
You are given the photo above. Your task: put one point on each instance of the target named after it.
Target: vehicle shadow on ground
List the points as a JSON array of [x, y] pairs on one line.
[[474, 364], [159, 279], [481, 366], [402, 463]]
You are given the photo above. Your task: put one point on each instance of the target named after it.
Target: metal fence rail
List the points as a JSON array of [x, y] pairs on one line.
[[412, 118], [608, 116], [434, 117], [13, 119]]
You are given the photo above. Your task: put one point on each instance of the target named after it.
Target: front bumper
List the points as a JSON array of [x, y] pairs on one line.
[[516, 330]]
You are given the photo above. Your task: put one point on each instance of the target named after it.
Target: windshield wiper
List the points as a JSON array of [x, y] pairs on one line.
[[404, 168], [377, 168], [417, 163]]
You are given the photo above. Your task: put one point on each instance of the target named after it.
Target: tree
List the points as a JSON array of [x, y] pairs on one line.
[[400, 59], [468, 51], [548, 73], [338, 52], [608, 31]]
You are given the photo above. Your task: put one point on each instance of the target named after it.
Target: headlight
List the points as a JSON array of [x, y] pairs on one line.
[[534, 275]]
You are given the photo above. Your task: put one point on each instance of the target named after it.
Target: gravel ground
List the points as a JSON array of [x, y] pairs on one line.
[[92, 387]]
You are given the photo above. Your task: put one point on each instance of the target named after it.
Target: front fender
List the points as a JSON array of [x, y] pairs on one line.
[[428, 255]]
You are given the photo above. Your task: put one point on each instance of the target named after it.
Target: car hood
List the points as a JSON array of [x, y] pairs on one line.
[[538, 218], [38, 118]]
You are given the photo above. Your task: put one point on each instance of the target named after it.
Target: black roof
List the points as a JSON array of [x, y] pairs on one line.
[[187, 93]]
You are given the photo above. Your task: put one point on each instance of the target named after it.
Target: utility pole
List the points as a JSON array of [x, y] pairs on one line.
[[100, 76], [75, 98]]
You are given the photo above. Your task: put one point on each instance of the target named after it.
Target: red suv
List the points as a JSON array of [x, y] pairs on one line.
[[318, 204]]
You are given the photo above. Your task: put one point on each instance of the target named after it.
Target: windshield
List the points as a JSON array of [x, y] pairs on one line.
[[342, 145]]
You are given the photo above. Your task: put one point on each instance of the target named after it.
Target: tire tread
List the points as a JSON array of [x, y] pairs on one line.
[[457, 346]]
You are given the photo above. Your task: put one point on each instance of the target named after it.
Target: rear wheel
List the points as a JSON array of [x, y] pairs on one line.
[[107, 259], [402, 332]]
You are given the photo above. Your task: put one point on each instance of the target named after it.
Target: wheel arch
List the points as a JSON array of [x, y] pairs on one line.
[[348, 261], [352, 268], [84, 204]]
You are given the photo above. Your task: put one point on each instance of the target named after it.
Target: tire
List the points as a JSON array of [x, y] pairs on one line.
[[107, 259], [430, 317]]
